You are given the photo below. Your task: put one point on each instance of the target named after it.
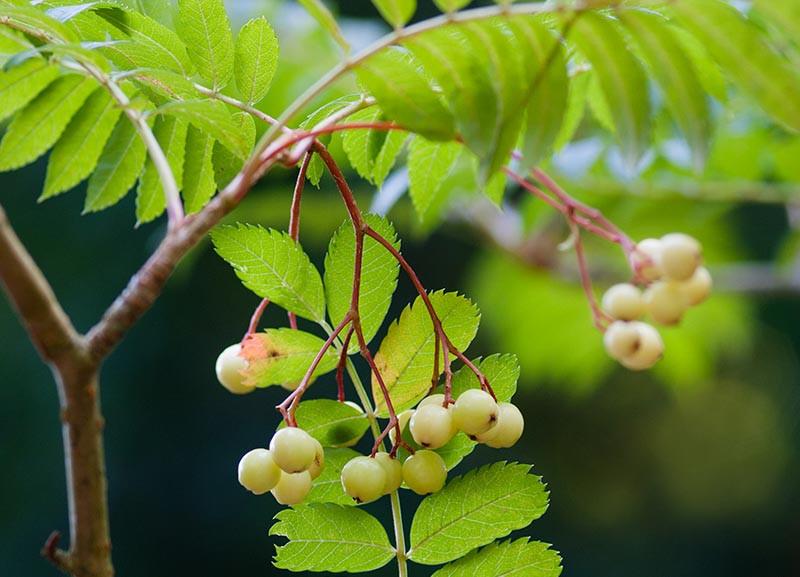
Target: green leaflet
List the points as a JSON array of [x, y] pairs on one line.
[[328, 537], [256, 59], [396, 12], [29, 19], [163, 84], [324, 18], [784, 13], [282, 357], [204, 27], [429, 165], [11, 43], [378, 276], [451, 5], [199, 185], [226, 164], [327, 488], [576, 109], [273, 266], [676, 76], [372, 152], [405, 95], [743, 52], [212, 117], [120, 164], [473, 510], [520, 557], [22, 83], [406, 355], [150, 200], [332, 423], [622, 79], [37, 127], [77, 152], [501, 370]]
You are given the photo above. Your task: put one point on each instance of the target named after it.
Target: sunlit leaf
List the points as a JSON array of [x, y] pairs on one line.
[[256, 59], [520, 557], [150, 199], [204, 27]]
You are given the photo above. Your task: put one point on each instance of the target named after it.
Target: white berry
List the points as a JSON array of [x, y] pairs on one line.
[[318, 464], [402, 420], [364, 479], [258, 472], [649, 351], [621, 339], [666, 302], [432, 426], [647, 256], [229, 369], [698, 288], [393, 469], [424, 472], [293, 449], [508, 429], [475, 411], [292, 488], [624, 302], [437, 399], [680, 256]]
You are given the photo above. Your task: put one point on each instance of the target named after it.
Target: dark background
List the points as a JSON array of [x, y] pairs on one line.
[[643, 481]]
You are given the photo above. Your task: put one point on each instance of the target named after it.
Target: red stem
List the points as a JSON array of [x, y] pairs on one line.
[[256, 318]]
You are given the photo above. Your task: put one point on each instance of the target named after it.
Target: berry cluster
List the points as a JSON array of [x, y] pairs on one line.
[[671, 269]]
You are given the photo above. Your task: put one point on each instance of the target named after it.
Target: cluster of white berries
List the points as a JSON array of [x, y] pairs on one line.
[[677, 281], [294, 459]]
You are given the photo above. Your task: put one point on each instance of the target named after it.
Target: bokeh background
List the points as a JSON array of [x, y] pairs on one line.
[[691, 470]]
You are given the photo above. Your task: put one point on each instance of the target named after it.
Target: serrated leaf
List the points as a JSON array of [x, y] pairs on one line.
[[676, 76], [451, 5], [405, 358], [273, 265], [23, 83], [150, 200], [213, 118], [120, 165], [316, 168], [323, 16], [520, 557], [396, 12], [473, 510], [743, 52], [256, 59], [622, 79], [226, 164], [78, 150], [282, 357], [429, 164], [370, 151], [37, 127], [165, 84], [405, 95], [327, 488], [328, 537], [30, 20], [204, 27], [501, 370], [332, 423], [378, 276], [199, 184]]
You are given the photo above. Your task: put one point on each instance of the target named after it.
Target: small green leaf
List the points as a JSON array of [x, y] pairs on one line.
[[77, 152], [34, 130], [330, 422], [473, 510], [576, 108], [328, 537], [150, 199], [707, 70], [784, 13], [204, 27], [282, 357], [30, 20], [323, 16], [743, 52], [502, 372], [405, 95], [396, 12], [256, 59], [327, 488], [213, 118], [316, 168], [378, 277], [199, 184], [23, 83], [520, 557], [429, 164], [226, 164], [451, 5], [405, 358], [11, 43], [370, 151], [120, 164], [622, 79], [273, 265]]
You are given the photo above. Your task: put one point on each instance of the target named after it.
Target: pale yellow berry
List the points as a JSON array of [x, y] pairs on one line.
[[649, 351], [647, 258], [698, 288], [680, 256], [364, 479], [292, 488], [424, 472], [229, 369], [624, 302], [293, 449], [666, 302], [508, 429], [437, 399], [393, 469], [621, 339], [402, 420], [258, 473], [318, 464], [431, 426], [475, 411]]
